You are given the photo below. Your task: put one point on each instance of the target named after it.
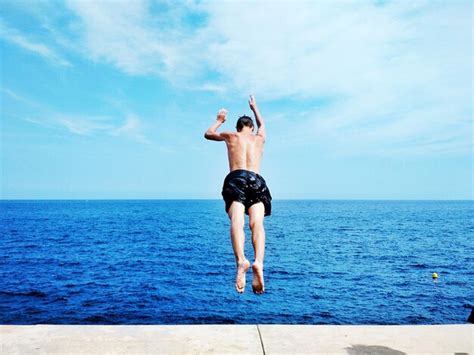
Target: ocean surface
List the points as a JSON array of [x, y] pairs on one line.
[[171, 262]]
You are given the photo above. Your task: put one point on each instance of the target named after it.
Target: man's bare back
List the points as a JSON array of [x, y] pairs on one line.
[[245, 191], [244, 151]]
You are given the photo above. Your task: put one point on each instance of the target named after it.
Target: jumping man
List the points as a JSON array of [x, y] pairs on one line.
[[245, 191]]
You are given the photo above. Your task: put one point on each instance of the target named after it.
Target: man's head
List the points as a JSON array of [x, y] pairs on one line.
[[244, 121]]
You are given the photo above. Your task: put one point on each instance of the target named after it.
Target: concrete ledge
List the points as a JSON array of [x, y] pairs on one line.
[[243, 339], [358, 339]]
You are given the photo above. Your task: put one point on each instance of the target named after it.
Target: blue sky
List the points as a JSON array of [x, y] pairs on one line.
[[362, 100]]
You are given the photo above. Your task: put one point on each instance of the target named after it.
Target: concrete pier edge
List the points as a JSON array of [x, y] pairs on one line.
[[241, 339]]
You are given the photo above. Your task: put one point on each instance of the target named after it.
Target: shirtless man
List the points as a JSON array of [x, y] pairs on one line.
[[245, 191]]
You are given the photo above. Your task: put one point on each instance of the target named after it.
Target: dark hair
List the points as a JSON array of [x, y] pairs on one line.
[[244, 121]]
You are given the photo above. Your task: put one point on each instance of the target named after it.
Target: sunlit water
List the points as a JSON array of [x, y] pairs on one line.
[[171, 262]]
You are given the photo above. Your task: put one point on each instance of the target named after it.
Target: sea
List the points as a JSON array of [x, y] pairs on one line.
[[171, 262]]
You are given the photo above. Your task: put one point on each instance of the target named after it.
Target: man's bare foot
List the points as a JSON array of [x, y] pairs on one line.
[[257, 281], [242, 268]]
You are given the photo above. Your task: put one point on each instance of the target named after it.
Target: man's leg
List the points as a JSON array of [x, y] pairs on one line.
[[237, 222], [256, 215]]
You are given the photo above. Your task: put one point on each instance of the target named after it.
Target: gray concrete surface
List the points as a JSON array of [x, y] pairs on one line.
[[236, 339], [130, 339], [357, 339]]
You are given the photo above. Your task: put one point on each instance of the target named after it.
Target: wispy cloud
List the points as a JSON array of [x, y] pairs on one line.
[[216, 88], [20, 98], [398, 71], [129, 126], [141, 38], [122, 34], [398, 74], [83, 126], [132, 127], [14, 36]]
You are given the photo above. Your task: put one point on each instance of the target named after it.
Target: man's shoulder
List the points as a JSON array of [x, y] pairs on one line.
[[228, 134]]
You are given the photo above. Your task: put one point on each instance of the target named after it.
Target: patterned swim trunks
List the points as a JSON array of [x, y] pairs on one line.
[[248, 188]]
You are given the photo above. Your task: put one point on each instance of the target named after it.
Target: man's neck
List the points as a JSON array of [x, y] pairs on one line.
[[245, 132]]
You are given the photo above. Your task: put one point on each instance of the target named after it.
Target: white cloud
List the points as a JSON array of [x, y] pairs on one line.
[[216, 88], [18, 97], [398, 75], [80, 124], [13, 36], [125, 34], [139, 41], [83, 126], [132, 127]]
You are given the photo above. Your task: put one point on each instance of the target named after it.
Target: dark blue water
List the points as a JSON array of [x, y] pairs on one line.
[[171, 262]]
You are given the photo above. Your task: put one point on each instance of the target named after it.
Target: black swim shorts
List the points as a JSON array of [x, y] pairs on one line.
[[248, 188]]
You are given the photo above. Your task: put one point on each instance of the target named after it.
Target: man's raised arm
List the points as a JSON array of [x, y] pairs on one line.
[[211, 132], [260, 124]]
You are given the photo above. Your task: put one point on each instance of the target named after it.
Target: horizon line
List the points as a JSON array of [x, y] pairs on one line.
[[220, 199]]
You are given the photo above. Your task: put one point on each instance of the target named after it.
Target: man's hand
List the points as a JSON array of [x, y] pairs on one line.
[[222, 115], [252, 103], [211, 133]]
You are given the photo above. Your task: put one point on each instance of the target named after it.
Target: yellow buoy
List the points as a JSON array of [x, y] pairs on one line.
[[434, 275]]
